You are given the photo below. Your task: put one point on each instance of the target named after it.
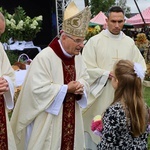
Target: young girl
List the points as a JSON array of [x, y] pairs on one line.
[[125, 122]]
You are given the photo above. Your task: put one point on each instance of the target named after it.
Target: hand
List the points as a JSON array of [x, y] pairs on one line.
[[79, 89], [75, 87], [3, 86], [110, 75], [71, 87]]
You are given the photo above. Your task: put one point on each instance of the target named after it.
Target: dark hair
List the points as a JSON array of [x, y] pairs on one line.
[[114, 9]]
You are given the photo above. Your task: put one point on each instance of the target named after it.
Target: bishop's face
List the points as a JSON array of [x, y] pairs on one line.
[[72, 44], [115, 22]]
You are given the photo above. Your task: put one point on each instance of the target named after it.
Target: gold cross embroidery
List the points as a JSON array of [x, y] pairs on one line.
[[116, 58]]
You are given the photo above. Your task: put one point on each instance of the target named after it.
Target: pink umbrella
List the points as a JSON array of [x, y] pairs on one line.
[[137, 19], [100, 19]]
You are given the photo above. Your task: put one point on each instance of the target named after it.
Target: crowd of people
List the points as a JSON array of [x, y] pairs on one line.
[[133, 32], [64, 89]]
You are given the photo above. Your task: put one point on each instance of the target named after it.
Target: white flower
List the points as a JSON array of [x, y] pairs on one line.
[[39, 18], [138, 69], [20, 27], [33, 26], [35, 23]]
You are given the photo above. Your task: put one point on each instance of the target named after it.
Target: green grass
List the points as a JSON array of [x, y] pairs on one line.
[[147, 95], [147, 99]]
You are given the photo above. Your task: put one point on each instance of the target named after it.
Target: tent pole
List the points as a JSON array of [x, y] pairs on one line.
[[140, 12]]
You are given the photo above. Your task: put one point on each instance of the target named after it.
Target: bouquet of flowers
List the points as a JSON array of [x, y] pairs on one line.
[[19, 26], [97, 125], [92, 31], [141, 41]]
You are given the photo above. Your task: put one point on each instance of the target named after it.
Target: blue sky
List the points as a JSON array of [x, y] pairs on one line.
[[143, 4]]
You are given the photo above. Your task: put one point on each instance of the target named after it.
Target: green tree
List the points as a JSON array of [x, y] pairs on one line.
[[100, 5], [122, 4]]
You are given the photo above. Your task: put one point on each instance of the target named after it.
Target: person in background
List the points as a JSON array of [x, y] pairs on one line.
[[100, 53], [48, 114], [125, 121], [7, 80]]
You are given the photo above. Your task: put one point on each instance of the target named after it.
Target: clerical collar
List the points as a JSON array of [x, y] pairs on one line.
[[63, 50], [119, 36]]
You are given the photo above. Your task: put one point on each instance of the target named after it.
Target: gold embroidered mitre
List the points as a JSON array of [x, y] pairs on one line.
[[76, 22]]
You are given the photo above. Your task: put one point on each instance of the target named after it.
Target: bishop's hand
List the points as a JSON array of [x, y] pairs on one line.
[[3, 86], [75, 87]]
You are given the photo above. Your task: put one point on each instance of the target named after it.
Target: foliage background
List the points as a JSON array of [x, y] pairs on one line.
[[100, 5], [104, 5]]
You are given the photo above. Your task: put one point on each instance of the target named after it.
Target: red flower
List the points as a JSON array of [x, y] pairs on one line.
[[97, 125]]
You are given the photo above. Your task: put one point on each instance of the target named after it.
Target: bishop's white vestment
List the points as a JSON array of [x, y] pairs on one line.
[[36, 104]]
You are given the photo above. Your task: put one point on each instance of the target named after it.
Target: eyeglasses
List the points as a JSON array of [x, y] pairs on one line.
[[78, 41]]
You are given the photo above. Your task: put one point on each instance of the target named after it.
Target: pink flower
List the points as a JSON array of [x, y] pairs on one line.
[[97, 125]]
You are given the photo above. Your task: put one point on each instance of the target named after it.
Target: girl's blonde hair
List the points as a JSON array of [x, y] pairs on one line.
[[130, 91]]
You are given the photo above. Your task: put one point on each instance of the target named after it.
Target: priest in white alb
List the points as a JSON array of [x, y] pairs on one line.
[[100, 53], [7, 82]]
